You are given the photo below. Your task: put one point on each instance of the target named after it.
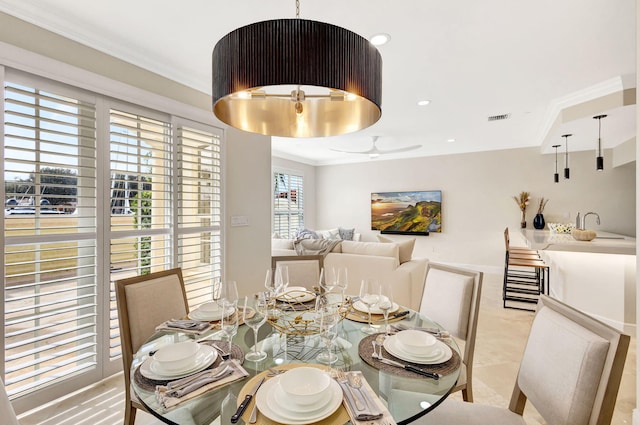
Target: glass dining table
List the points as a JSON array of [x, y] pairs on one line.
[[406, 395]]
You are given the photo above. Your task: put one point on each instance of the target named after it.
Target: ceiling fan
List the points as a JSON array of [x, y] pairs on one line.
[[374, 152]]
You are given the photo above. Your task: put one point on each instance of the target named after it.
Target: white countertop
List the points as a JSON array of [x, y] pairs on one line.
[[605, 242]]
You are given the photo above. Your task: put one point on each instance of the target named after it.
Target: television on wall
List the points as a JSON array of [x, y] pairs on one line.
[[407, 213]]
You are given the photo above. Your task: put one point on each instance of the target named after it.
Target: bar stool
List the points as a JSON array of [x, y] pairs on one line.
[[526, 276]]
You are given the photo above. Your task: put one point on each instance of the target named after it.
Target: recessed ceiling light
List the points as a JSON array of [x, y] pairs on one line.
[[423, 102], [380, 39], [451, 140]]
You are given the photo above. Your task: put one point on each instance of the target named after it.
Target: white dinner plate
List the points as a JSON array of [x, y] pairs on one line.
[[274, 409], [210, 316], [204, 358], [360, 306], [298, 294], [391, 345], [291, 410]]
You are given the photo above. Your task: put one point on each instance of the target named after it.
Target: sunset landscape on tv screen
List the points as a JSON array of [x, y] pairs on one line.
[[416, 212]]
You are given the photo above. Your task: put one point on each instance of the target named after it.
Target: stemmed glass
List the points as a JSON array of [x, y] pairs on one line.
[[281, 281], [342, 280], [228, 294], [327, 283], [255, 317], [327, 318], [229, 324], [369, 294], [385, 303]]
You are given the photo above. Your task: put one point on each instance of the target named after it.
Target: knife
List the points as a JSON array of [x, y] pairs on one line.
[[394, 316], [245, 402], [433, 375]]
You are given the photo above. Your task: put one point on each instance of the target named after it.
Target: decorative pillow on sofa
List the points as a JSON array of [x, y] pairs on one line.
[[306, 234], [329, 234], [406, 247], [346, 234]]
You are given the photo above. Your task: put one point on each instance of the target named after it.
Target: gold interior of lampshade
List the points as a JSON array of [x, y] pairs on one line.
[[275, 115], [296, 78]]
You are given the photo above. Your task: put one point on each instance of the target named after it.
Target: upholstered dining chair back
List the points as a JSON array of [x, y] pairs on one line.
[[570, 372], [143, 303], [7, 413], [304, 270], [451, 298], [571, 367]]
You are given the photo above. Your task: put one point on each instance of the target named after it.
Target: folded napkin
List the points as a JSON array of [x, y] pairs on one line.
[[190, 326], [180, 390], [374, 408]]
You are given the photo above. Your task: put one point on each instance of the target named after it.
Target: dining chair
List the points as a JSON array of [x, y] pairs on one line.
[[304, 270], [144, 302], [570, 372], [6, 409], [451, 298]]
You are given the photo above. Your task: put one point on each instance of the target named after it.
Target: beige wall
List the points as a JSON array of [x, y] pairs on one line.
[[248, 194], [477, 192]]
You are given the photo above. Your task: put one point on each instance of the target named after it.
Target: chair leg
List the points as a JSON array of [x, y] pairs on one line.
[[129, 413], [467, 394]]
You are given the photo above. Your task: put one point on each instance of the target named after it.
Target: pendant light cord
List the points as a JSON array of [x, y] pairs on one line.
[[298, 9]]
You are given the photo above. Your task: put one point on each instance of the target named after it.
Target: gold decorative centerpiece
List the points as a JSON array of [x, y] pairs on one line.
[[295, 312]]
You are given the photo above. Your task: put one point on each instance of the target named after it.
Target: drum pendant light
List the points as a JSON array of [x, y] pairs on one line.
[[296, 78], [556, 176], [566, 155], [599, 158]]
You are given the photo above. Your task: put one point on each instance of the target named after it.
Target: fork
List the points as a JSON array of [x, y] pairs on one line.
[[342, 379]]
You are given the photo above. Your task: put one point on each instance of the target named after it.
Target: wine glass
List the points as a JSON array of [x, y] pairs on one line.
[[229, 324], [327, 319], [385, 303], [328, 283], [342, 280], [255, 317], [228, 294], [281, 280], [369, 293]]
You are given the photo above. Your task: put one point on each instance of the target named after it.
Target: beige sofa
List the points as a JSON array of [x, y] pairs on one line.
[[387, 262]]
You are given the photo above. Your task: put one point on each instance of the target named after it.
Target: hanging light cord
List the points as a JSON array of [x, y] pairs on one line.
[[298, 9], [599, 139]]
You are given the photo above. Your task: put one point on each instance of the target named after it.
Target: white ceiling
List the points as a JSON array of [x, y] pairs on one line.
[[471, 59]]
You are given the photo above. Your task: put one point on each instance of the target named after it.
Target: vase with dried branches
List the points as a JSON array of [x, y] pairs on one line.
[[538, 220], [523, 201]]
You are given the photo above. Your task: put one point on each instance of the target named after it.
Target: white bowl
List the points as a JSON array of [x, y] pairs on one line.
[[179, 356], [415, 341], [304, 385]]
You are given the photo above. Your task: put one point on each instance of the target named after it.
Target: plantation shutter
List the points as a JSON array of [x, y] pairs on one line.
[[49, 228], [288, 203], [141, 209], [199, 211]]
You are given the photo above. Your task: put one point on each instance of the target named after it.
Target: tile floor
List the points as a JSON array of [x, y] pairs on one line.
[[501, 338]]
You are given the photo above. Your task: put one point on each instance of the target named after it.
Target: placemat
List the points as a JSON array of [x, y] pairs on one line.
[[365, 349], [150, 384], [377, 319], [340, 416]]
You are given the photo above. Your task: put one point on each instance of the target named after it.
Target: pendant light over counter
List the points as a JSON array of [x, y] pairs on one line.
[[296, 78], [599, 158], [556, 176], [566, 155]]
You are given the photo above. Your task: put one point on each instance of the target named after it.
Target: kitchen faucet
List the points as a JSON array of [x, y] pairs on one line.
[[582, 226]]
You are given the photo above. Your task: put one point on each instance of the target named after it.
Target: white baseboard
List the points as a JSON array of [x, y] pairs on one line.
[[636, 417]]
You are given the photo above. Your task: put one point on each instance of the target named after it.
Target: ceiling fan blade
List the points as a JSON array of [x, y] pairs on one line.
[[405, 149], [361, 152]]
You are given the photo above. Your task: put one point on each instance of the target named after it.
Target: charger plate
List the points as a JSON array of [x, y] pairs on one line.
[[340, 416]]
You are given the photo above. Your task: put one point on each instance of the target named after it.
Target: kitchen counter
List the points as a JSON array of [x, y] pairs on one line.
[[605, 242], [597, 277]]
